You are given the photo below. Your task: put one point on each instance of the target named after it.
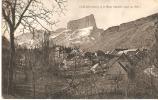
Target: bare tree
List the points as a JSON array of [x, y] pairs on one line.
[[27, 14]]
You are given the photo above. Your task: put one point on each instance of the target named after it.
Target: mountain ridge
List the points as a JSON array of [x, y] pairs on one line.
[[126, 35], [129, 35]]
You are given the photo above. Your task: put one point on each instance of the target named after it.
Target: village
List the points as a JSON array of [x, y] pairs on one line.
[[79, 74]]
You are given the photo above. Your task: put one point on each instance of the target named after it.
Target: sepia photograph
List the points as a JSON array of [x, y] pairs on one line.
[[79, 49]]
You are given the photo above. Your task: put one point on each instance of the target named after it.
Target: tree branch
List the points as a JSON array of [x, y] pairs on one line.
[[19, 21], [13, 12], [6, 18]]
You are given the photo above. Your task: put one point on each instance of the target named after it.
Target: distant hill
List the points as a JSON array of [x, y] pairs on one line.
[[135, 34]]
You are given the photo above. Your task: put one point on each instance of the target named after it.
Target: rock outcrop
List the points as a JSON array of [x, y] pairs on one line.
[[80, 32], [84, 22]]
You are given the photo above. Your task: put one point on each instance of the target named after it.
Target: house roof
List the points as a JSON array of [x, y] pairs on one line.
[[125, 64], [126, 51]]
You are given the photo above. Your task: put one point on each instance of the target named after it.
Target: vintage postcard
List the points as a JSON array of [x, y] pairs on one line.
[[79, 49]]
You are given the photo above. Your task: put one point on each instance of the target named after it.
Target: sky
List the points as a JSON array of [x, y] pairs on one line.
[[107, 13], [106, 16]]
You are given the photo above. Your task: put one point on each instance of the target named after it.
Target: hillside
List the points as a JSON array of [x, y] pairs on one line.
[[135, 34]]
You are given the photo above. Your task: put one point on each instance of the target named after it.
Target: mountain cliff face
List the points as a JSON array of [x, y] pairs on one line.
[[136, 34], [82, 23], [80, 33]]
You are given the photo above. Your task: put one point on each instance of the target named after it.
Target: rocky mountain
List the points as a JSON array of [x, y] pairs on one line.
[[82, 23], [77, 38], [78, 33], [135, 34], [85, 34]]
